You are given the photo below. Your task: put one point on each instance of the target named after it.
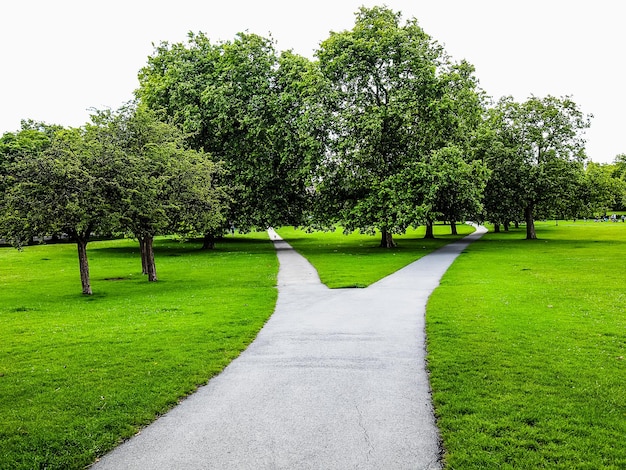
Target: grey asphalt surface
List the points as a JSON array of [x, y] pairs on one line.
[[336, 379]]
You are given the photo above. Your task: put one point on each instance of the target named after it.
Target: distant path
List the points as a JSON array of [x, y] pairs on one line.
[[336, 379]]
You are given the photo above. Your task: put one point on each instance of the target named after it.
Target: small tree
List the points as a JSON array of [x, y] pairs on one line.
[[162, 186], [599, 191], [63, 188], [456, 189], [195, 202]]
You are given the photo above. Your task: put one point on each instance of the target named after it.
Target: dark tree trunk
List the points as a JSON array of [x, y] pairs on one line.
[[386, 239], [208, 242], [507, 225], [453, 230], [144, 255], [530, 223], [83, 263], [429, 230], [151, 265], [496, 227], [517, 224]]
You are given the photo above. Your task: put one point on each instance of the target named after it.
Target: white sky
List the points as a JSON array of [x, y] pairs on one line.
[[61, 57]]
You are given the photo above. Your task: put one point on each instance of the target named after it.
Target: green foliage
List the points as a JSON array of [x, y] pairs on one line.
[[393, 98], [535, 150], [124, 171], [354, 260], [526, 350], [251, 109], [443, 187], [162, 187], [79, 374], [57, 183], [600, 191]]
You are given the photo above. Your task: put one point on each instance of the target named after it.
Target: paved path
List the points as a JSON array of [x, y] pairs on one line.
[[335, 380]]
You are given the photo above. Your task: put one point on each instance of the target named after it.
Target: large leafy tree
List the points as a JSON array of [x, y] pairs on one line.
[[393, 98], [536, 156], [250, 109]]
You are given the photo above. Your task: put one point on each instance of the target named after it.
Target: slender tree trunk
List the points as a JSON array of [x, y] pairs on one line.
[[144, 254], [83, 264], [386, 239], [208, 242], [516, 224], [507, 225], [453, 230], [530, 223], [496, 227], [429, 230], [151, 265]]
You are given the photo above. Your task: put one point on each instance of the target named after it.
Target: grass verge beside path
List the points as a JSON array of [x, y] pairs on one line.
[[527, 356], [79, 373], [356, 260]]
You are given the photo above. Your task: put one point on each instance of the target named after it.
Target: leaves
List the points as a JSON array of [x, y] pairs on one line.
[[394, 100]]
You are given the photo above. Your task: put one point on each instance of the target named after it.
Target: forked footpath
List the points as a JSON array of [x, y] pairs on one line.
[[336, 379]]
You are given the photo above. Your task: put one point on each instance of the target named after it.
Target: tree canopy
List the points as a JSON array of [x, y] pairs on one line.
[[536, 151], [124, 172], [394, 98], [382, 130], [252, 109]]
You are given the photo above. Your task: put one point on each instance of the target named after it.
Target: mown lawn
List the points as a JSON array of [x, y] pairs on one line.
[[527, 350], [77, 374], [526, 340], [356, 260]]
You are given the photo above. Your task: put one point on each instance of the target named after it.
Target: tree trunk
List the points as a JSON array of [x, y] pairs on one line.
[[208, 242], [151, 266], [516, 224], [530, 223], [429, 230], [507, 225], [144, 255], [496, 227], [83, 263], [453, 230], [386, 239]]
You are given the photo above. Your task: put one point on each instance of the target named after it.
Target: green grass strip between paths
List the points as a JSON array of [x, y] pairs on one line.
[[356, 260]]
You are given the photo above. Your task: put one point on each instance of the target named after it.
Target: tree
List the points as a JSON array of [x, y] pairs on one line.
[[493, 145], [393, 98], [61, 186], [162, 186], [456, 186], [195, 202], [599, 191], [240, 102], [537, 154]]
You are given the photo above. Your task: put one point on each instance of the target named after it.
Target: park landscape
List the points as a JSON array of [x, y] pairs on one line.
[[364, 160]]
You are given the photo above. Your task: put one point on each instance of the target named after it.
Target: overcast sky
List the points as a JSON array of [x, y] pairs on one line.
[[59, 58]]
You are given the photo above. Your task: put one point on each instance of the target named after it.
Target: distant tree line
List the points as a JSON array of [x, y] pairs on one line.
[[380, 132]]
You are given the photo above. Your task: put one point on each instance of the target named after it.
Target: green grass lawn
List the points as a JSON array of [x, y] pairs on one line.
[[527, 350], [356, 260], [79, 373], [526, 339]]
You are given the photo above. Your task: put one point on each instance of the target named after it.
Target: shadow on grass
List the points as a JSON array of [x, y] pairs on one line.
[[169, 247]]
